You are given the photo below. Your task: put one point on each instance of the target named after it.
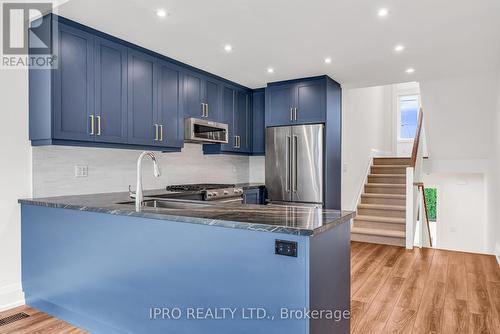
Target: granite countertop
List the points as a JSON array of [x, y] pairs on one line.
[[270, 218]]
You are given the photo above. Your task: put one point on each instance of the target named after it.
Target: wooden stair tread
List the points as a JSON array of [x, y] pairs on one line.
[[378, 219], [387, 175], [386, 185], [382, 207], [391, 166], [379, 232], [375, 195]]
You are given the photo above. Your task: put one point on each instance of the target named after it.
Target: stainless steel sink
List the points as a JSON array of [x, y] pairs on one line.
[[169, 204]]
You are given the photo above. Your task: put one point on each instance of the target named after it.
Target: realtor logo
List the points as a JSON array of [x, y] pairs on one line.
[[27, 35]]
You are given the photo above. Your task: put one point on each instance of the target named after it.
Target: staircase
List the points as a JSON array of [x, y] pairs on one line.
[[381, 212]]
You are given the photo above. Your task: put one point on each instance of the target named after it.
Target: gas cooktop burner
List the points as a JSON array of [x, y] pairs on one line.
[[198, 187]]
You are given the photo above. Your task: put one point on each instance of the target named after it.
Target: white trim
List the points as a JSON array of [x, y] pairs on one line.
[[410, 233], [498, 259], [11, 296]]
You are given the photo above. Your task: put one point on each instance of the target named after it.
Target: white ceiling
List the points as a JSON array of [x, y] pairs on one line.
[[442, 37]]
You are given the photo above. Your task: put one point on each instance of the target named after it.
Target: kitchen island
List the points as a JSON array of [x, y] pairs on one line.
[[106, 268]]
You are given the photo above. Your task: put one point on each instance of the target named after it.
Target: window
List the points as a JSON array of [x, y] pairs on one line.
[[408, 114]]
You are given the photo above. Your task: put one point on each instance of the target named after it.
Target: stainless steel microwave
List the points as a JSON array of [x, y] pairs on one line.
[[204, 131]]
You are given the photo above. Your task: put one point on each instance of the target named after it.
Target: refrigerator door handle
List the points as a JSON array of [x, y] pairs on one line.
[[288, 153], [295, 164]]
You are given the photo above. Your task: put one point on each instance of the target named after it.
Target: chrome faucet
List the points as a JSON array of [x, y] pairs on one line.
[[138, 190]]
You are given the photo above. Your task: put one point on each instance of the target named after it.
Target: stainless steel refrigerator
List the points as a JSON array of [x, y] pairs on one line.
[[294, 164]]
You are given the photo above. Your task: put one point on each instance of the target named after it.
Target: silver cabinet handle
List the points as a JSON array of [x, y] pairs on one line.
[[98, 125], [202, 109], [206, 109], [294, 114], [156, 132], [291, 113], [91, 124], [235, 142], [161, 132]]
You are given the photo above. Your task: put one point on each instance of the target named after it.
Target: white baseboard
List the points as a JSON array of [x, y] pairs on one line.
[[11, 296]]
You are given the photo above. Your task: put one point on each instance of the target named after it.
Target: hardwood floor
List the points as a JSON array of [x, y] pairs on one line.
[[37, 322], [393, 290]]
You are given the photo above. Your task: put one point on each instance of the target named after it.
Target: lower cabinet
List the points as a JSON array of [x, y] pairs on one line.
[[253, 196]]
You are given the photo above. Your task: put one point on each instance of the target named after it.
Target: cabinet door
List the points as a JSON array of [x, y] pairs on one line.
[[242, 120], [74, 85], [311, 102], [252, 196], [279, 100], [258, 118], [110, 91], [228, 117], [213, 99], [142, 99], [169, 105], [193, 95]]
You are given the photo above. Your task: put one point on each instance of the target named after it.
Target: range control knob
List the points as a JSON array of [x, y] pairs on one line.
[[214, 194], [226, 192]]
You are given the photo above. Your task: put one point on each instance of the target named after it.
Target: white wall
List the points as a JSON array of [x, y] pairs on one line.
[[367, 129], [114, 169], [15, 180], [461, 211], [460, 129]]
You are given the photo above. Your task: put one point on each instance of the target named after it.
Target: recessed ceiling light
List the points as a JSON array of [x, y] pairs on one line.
[[383, 12], [270, 70], [161, 13], [399, 48], [328, 60], [410, 70], [228, 48]]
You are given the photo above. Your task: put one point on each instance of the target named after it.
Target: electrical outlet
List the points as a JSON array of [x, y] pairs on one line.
[[344, 168], [81, 171]]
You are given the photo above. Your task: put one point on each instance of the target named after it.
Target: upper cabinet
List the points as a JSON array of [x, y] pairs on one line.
[[142, 99], [296, 102], [236, 111], [110, 91], [169, 117], [258, 122], [202, 96], [73, 87]]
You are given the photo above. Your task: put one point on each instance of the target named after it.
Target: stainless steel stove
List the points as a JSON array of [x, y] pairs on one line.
[[224, 193]]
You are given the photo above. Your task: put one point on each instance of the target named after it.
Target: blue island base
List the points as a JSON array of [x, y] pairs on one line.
[[117, 274]]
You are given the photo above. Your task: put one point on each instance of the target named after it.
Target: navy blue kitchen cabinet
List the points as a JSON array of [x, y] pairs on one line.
[[292, 102], [236, 111], [258, 122], [253, 196], [242, 122], [169, 117], [142, 99], [73, 96], [202, 96], [110, 91]]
